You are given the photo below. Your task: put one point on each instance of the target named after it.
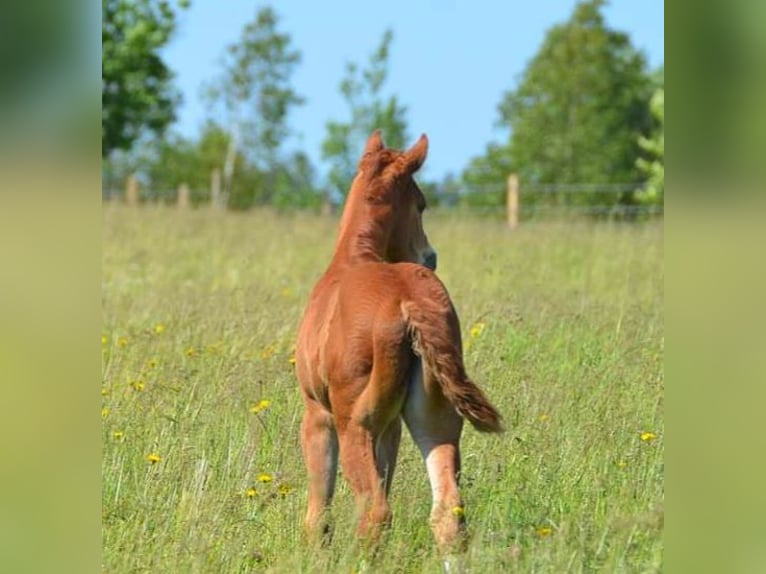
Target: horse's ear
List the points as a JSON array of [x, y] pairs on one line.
[[374, 143], [416, 155]]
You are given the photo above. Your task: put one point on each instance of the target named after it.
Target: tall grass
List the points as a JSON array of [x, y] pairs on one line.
[[563, 327]]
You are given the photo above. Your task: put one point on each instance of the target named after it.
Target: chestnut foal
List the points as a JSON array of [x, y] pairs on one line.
[[380, 342]]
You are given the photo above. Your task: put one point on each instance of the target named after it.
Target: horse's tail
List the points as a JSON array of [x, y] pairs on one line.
[[435, 332]]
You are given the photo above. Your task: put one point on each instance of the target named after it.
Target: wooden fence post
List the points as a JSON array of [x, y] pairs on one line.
[[183, 196], [326, 209], [512, 204], [131, 190], [215, 188]]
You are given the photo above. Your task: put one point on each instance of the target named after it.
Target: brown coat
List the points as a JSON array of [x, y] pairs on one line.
[[380, 342]]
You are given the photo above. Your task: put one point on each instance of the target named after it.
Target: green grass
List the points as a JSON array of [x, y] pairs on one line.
[[571, 353]]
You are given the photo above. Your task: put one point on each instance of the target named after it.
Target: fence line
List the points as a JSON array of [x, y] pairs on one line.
[[583, 188], [552, 188], [509, 199]]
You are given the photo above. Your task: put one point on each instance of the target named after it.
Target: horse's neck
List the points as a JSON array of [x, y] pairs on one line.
[[360, 239]]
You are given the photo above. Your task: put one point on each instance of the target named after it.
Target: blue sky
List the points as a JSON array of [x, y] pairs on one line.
[[450, 61]]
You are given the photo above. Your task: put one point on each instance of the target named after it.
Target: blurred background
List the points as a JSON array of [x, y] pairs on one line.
[[243, 105], [477, 79]]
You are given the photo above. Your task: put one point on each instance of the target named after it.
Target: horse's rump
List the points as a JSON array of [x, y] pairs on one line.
[[393, 312]]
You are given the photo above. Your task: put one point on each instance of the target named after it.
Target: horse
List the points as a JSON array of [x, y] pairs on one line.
[[379, 343]]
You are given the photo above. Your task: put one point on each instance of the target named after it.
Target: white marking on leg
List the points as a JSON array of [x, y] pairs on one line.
[[434, 468], [451, 565], [414, 411]]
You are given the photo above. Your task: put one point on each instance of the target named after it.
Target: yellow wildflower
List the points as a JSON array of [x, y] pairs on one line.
[[153, 458], [285, 489], [265, 478], [621, 463], [152, 363], [268, 352], [159, 328], [138, 385], [261, 405], [647, 436], [251, 492], [477, 330], [543, 417], [544, 531], [190, 352], [122, 341], [118, 434], [458, 511], [104, 339], [104, 391], [292, 359], [287, 293], [105, 412]]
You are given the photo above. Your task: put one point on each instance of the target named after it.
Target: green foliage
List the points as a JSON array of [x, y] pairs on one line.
[[254, 97], [486, 178], [580, 105], [369, 110], [654, 146], [200, 311], [176, 160], [254, 88], [162, 165], [137, 93], [577, 112], [294, 184], [289, 184]]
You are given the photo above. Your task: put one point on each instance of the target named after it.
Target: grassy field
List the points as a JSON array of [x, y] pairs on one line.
[[202, 469]]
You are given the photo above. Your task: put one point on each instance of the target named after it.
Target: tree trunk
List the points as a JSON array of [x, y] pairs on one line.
[[228, 166]]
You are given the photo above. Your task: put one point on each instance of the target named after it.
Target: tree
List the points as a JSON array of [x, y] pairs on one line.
[[174, 160], [369, 110], [136, 85], [578, 110], [163, 164], [294, 184], [654, 146], [486, 176], [255, 94], [171, 161]]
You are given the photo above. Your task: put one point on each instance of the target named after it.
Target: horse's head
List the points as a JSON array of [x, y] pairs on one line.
[[392, 201]]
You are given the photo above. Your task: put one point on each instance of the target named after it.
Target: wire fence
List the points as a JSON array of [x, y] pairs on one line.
[[511, 200]]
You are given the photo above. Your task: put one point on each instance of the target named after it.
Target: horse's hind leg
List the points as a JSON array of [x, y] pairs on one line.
[[435, 427], [320, 452], [368, 459], [369, 433], [386, 451]]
